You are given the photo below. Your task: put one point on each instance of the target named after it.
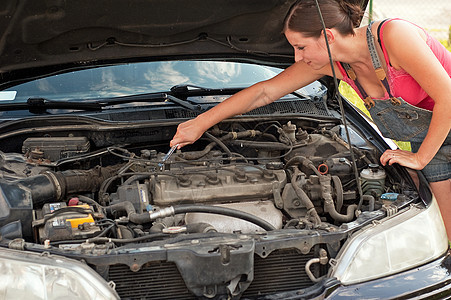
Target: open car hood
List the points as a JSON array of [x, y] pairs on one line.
[[38, 37]]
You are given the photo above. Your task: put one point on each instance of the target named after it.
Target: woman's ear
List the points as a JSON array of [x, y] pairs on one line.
[[330, 35]]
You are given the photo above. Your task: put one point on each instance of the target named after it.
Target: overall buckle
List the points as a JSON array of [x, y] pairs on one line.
[[369, 102], [395, 101]]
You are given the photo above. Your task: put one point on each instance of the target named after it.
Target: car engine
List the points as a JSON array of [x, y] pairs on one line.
[[236, 180], [255, 198]]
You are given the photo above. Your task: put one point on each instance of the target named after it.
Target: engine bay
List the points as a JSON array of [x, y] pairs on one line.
[[241, 177]]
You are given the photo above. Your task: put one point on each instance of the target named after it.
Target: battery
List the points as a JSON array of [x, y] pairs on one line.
[[68, 225]]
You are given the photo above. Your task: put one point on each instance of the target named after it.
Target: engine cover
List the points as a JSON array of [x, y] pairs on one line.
[[231, 184]]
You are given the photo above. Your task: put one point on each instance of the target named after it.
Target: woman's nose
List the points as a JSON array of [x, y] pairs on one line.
[[298, 56]]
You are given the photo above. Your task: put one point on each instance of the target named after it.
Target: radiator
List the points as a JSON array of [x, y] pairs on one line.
[[282, 270]]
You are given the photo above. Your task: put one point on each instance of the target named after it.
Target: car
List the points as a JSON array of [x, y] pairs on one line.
[[288, 201]]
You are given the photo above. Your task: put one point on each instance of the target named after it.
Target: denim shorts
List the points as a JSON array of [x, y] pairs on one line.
[[439, 168]]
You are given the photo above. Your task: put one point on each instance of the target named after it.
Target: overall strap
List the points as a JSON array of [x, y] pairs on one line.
[[380, 72]]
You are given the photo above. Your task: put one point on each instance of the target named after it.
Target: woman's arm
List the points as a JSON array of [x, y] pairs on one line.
[[407, 49], [259, 94]]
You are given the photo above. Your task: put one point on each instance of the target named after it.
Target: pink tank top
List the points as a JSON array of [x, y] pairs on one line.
[[401, 83]]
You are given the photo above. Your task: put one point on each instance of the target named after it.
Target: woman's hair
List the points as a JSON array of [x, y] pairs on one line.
[[304, 18]]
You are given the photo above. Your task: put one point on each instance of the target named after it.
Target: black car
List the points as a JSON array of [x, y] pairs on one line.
[[287, 201]]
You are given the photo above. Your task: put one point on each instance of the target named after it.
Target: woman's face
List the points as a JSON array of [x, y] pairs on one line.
[[310, 50]]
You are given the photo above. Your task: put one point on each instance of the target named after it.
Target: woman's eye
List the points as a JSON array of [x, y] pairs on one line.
[[300, 48]]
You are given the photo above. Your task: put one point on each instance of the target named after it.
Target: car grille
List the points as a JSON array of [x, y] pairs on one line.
[[305, 107], [155, 280], [282, 270], [288, 107]]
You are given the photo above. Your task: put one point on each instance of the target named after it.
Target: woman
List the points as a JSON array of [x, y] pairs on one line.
[[409, 65]]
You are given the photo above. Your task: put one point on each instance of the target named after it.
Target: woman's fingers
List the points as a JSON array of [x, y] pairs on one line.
[[187, 133], [402, 157]]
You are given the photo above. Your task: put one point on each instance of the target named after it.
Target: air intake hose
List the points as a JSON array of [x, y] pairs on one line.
[[55, 186]]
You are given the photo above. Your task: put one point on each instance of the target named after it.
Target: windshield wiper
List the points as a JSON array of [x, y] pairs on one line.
[[41, 105], [178, 94], [149, 97], [185, 90]]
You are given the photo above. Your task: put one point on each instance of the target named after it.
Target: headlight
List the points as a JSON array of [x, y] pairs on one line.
[[401, 242], [26, 275]]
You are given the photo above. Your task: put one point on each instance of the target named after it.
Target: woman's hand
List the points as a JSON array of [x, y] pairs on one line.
[[187, 133], [402, 157]]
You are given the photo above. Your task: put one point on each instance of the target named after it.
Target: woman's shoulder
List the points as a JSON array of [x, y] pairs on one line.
[[392, 30], [397, 37]]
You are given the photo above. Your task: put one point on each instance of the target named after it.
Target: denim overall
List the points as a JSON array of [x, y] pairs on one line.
[[401, 121]]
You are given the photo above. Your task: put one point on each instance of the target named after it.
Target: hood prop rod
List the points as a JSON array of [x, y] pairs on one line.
[[340, 102]]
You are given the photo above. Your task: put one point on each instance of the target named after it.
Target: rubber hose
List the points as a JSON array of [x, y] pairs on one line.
[[128, 207], [370, 200], [305, 199], [197, 154], [219, 143], [261, 145], [303, 161], [124, 241], [330, 208], [199, 228]]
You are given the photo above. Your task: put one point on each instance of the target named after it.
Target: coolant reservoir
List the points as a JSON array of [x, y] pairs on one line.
[[372, 180]]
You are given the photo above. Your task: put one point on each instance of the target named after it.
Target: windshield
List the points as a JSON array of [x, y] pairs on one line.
[[141, 78]]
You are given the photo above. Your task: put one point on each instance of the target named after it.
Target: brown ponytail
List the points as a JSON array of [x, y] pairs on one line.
[[303, 17]]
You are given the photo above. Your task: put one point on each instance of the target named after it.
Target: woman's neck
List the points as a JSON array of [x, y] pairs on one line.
[[353, 49]]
